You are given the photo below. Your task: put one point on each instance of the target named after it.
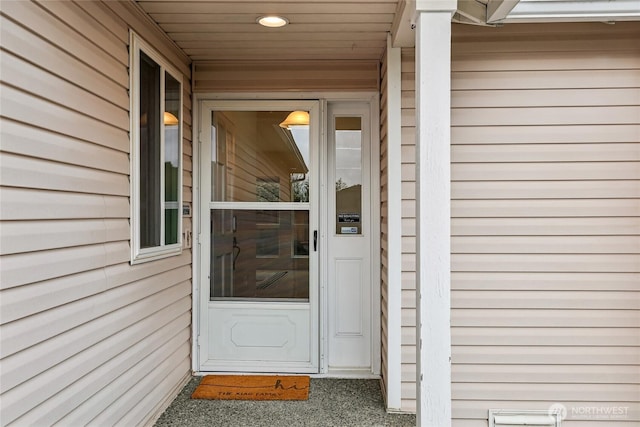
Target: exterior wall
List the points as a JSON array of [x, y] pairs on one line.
[[384, 225], [408, 191], [545, 219], [391, 239], [86, 337], [308, 75]]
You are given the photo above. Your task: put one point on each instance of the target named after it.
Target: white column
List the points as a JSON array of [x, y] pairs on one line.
[[433, 216]]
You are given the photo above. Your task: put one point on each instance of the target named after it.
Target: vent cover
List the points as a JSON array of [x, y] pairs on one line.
[[516, 418]]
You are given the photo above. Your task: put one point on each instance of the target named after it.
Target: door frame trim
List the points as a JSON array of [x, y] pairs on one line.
[[373, 98]]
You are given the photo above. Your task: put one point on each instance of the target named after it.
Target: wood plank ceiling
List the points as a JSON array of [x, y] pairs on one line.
[[318, 29]]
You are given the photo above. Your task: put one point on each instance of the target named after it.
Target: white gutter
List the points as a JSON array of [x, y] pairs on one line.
[[497, 10], [572, 11]]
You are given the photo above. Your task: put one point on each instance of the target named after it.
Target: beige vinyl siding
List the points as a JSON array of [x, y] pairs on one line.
[[86, 337], [300, 75], [408, 318], [384, 225], [546, 220]]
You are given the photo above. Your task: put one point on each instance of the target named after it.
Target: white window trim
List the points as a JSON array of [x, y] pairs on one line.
[[138, 254]]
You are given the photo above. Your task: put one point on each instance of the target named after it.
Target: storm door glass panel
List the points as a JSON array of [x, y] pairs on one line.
[[255, 158], [221, 138], [223, 253], [258, 256], [260, 205], [348, 174]]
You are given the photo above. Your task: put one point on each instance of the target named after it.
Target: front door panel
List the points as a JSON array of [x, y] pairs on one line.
[[260, 305]]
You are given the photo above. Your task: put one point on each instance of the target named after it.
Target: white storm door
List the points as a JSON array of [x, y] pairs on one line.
[[350, 287], [259, 291]]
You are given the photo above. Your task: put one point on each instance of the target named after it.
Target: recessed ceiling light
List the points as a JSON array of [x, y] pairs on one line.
[[272, 21]]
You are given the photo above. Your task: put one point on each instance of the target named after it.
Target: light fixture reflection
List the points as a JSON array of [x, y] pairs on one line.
[[296, 118], [272, 21], [170, 119]]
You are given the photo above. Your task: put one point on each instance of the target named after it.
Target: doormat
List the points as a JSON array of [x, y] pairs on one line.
[[253, 387]]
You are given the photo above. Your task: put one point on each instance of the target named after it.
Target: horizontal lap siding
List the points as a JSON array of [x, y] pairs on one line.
[[85, 335], [408, 320], [300, 75], [384, 225], [546, 220]]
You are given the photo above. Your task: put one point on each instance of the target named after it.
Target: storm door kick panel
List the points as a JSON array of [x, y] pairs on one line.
[[259, 308]]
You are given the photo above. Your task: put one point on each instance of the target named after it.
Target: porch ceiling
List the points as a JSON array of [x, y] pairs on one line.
[[342, 29], [318, 29]]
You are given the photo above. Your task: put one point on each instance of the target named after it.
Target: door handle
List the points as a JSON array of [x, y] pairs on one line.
[[315, 240]]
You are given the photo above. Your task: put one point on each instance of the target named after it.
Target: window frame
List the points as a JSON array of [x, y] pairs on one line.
[[139, 254]]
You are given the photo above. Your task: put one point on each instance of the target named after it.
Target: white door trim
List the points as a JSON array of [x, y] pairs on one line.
[[324, 97]]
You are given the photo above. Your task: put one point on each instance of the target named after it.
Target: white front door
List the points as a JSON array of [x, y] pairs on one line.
[[286, 238], [259, 218]]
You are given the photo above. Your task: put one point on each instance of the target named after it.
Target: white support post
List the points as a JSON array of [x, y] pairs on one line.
[[433, 216], [394, 224]]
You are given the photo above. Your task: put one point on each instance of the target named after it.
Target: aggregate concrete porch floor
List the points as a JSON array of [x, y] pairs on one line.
[[332, 402]]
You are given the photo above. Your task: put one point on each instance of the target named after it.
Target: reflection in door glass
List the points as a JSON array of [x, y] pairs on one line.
[[220, 156], [222, 253], [260, 254], [260, 156], [348, 173]]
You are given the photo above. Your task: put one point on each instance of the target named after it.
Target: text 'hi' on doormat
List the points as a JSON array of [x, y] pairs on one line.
[[253, 387]]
